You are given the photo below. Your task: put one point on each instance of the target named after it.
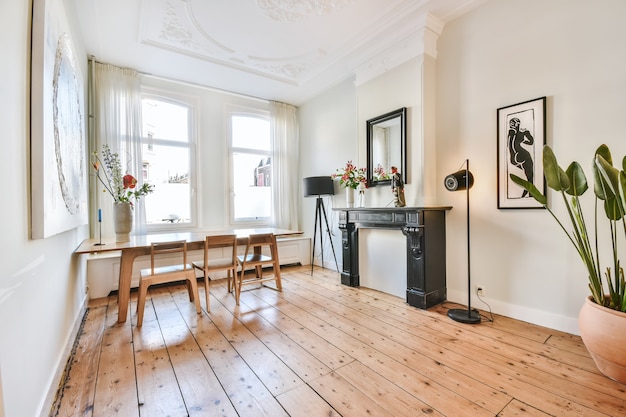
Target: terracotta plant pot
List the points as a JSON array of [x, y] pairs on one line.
[[603, 331]]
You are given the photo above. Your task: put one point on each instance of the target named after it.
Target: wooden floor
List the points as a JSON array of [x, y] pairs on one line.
[[322, 349]]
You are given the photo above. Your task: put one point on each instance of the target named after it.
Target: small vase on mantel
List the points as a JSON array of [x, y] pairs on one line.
[[361, 197], [122, 221], [349, 197]]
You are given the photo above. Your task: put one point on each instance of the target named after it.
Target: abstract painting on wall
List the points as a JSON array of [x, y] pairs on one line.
[[58, 156]]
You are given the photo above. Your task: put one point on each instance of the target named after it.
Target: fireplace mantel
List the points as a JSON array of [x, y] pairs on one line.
[[425, 231]]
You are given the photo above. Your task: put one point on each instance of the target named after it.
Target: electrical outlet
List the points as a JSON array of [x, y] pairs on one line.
[[480, 290]]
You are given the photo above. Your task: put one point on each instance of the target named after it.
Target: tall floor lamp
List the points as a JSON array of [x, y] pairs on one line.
[[458, 181], [319, 186]]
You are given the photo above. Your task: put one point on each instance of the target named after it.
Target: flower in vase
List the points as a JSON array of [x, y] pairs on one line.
[[351, 176], [122, 187]]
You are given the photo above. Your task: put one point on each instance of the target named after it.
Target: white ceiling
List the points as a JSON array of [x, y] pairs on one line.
[[285, 50]]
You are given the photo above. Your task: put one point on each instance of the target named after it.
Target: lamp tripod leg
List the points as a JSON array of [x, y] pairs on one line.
[[329, 235], [320, 211], [317, 211]]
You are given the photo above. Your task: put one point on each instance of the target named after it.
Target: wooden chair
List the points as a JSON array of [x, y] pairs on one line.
[[160, 275], [224, 264], [253, 256]]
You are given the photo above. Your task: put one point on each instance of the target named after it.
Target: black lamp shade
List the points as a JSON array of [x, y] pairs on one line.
[[456, 181], [318, 186]]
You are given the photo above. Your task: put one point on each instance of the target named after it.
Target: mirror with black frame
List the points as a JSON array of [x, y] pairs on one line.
[[386, 147]]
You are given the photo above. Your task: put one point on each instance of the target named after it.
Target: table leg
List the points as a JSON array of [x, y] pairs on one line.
[[123, 292]]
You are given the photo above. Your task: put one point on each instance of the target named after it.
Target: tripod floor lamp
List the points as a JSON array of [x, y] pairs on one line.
[[458, 181], [319, 186]]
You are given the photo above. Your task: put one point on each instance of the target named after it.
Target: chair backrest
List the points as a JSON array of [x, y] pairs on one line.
[[220, 241], [263, 239], [177, 246]]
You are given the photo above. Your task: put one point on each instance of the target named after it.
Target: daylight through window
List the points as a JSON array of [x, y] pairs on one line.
[[166, 151], [251, 169]]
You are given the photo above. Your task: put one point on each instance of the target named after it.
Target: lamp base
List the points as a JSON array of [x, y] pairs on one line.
[[464, 315]]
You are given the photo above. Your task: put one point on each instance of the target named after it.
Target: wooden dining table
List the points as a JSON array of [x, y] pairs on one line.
[[140, 245]]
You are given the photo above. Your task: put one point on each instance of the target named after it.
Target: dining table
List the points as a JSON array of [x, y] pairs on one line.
[[140, 244]]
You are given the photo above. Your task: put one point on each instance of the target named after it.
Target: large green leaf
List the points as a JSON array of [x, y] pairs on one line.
[[530, 187], [598, 186], [607, 178], [622, 183], [556, 178], [605, 153], [577, 179], [607, 187], [612, 208]]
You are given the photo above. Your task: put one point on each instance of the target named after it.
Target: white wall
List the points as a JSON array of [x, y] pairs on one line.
[[502, 53], [328, 138], [399, 87], [42, 285], [506, 52]]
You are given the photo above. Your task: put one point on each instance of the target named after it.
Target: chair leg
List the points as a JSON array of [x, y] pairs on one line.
[[206, 291], [193, 290], [279, 283], [190, 290], [237, 286], [141, 302]]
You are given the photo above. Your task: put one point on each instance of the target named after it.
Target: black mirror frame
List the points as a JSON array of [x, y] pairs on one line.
[[401, 113]]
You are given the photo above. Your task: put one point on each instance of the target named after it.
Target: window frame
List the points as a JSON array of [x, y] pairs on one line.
[[191, 103], [243, 111]]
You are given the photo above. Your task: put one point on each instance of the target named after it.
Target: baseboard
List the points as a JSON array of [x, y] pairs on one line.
[[529, 315], [63, 362]]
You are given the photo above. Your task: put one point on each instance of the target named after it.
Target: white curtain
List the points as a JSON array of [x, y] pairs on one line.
[[116, 121], [284, 131]]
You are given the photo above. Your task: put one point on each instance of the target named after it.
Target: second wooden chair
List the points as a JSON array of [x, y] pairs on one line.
[[228, 264], [254, 257]]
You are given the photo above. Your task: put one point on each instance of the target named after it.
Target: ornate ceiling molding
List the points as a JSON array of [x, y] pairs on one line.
[[295, 10], [174, 25], [422, 41]]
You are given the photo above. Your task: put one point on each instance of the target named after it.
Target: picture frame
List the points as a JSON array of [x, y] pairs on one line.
[[59, 177], [521, 136]]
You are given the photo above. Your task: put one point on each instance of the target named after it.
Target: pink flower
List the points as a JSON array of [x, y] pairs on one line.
[[351, 176]]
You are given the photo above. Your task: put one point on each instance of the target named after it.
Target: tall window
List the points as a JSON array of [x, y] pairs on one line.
[[166, 153], [251, 176]]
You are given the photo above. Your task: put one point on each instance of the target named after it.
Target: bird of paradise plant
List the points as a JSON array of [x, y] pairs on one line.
[[610, 192]]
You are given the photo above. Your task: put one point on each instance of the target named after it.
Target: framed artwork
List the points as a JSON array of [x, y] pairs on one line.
[[521, 137], [58, 150]]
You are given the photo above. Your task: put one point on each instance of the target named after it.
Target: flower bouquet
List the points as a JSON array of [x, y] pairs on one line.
[[351, 176], [123, 188]]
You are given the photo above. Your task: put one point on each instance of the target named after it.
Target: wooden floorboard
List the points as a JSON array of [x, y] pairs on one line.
[[319, 348]]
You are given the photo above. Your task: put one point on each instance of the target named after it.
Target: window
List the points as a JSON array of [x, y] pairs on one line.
[[251, 165], [166, 153]]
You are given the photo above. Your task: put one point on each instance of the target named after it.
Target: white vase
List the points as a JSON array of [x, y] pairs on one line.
[[349, 197], [122, 221]]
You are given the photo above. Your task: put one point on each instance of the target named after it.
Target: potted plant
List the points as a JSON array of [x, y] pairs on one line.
[[122, 187], [602, 318]]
